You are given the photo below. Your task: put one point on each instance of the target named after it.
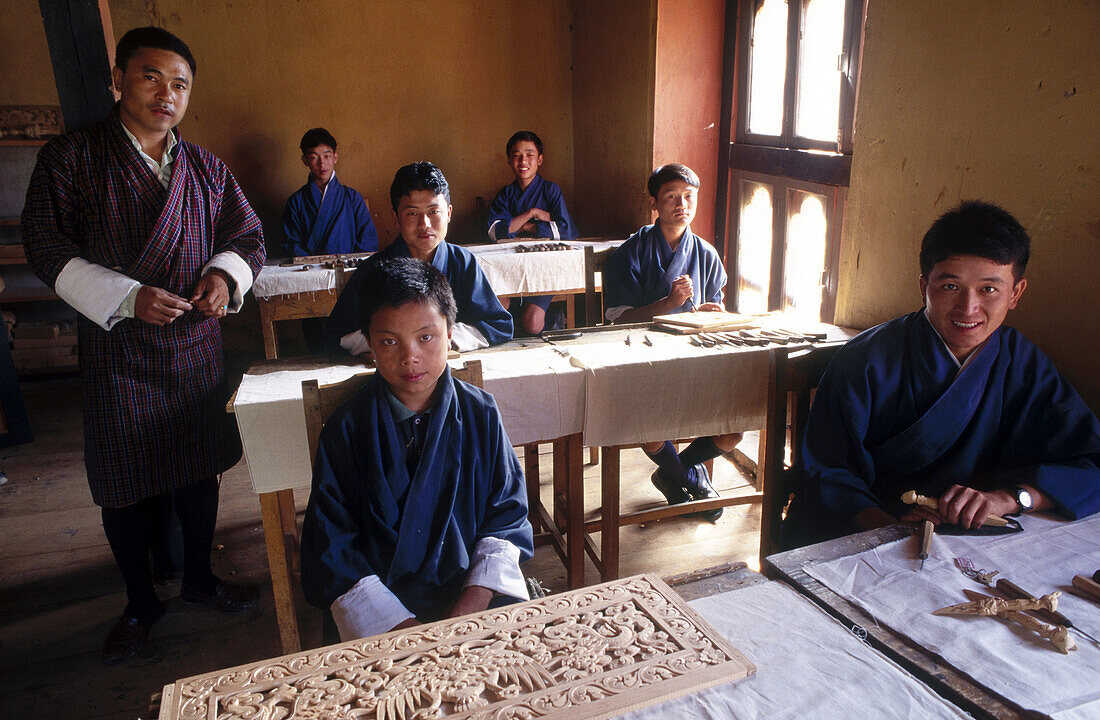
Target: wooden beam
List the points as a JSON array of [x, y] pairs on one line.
[[78, 52]]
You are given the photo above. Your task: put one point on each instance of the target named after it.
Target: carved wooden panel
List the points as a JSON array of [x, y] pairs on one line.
[[589, 653], [30, 121]]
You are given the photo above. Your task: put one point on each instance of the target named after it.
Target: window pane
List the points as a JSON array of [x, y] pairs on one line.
[[754, 248], [805, 255], [768, 64], [818, 113]]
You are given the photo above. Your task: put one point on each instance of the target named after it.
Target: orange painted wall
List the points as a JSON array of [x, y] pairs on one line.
[[688, 95], [26, 77], [395, 82], [997, 101]]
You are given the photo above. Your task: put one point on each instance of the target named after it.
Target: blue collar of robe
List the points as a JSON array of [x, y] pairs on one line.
[[400, 248]]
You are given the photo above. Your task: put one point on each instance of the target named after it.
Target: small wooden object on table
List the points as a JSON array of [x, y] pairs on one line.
[[591, 653]]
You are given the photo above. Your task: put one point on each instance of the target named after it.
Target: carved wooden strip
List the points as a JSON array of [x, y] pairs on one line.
[[589, 653]]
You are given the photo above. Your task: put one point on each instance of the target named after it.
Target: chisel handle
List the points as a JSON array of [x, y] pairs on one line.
[[1015, 592], [1090, 588]]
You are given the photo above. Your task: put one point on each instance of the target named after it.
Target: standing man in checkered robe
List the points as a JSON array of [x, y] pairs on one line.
[[152, 241]]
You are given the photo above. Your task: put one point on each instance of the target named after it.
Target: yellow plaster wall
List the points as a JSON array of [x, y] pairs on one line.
[[614, 49], [997, 101], [26, 77], [395, 82]]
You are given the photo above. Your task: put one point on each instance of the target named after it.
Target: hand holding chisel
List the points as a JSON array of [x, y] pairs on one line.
[[912, 498]]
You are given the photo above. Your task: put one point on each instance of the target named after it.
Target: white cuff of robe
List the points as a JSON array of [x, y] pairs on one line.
[[94, 291], [616, 312], [233, 265], [355, 342], [495, 565], [369, 608], [467, 337], [554, 230], [492, 237]]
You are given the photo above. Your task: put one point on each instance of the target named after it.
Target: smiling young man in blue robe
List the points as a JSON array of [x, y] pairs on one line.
[[421, 201], [948, 402], [325, 217], [665, 268], [419, 508], [530, 207]]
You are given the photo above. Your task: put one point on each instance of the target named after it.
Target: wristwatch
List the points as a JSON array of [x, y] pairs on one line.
[[1023, 499]]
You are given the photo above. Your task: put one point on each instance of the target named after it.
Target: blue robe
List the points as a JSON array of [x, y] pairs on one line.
[[541, 193], [890, 415], [641, 270], [367, 516], [342, 224], [477, 303]]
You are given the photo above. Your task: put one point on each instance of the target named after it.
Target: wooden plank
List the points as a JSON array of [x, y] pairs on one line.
[[78, 53], [609, 514], [574, 524]]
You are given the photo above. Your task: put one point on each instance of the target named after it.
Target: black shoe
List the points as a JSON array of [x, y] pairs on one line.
[[701, 489], [127, 638], [226, 598], [671, 489]]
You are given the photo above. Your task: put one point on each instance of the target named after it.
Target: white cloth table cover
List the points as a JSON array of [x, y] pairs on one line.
[[807, 666], [672, 389], [540, 396], [275, 280], [1007, 659]]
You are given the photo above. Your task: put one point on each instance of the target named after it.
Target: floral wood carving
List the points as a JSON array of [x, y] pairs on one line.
[[589, 653], [30, 121]]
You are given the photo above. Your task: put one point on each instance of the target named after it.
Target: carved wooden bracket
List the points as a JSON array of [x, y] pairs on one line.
[[30, 121]]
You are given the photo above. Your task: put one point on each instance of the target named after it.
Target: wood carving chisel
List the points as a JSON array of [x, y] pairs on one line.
[[1013, 591], [912, 498], [926, 531], [1087, 586]]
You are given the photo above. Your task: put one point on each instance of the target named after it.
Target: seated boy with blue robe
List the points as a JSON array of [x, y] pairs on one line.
[[947, 401], [530, 207], [664, 268], [324, 217], [421, 201], [418, 509]]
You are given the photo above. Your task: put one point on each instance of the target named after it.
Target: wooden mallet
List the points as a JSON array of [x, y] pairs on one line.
[[912, 498]]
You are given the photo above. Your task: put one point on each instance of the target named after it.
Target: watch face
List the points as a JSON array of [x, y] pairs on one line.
[[1024, 498]]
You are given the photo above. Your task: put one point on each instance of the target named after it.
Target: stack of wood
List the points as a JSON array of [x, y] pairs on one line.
[[697, 322], [43, 346]]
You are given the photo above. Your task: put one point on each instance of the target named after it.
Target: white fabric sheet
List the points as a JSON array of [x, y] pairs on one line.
[[540, 396], [807, 666], [276, 280], [672, 389], [1009, 660]]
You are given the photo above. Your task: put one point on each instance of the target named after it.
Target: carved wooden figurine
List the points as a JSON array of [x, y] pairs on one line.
[[590, 653], [1012, 611]]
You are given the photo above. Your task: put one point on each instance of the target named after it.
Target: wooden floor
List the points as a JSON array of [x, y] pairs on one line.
[[60, 591]]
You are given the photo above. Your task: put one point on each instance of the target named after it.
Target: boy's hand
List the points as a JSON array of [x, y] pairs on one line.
[[968, 507], [682, 289], [411, 622], [711, 307], [472, 599], [538, 214]]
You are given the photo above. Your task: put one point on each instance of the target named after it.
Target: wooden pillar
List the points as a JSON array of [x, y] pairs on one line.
[[78, 53]]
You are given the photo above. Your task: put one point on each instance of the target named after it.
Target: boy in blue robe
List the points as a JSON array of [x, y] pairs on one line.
[[948, 402], [419, 508], [324, 217], [530, 207], [421, 202], [661, 269]]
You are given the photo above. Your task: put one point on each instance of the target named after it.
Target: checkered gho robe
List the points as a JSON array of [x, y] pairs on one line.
[[154, 397]]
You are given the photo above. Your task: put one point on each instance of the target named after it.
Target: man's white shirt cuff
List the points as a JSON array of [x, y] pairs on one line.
[[355, 342], [614, 313], [96, 292], [369, 608], [495, 565], [233, 265], [466, 337]]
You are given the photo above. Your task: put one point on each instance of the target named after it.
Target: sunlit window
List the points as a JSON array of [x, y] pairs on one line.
[[769, 61], [807, 230], [754, 256], [819, 75]]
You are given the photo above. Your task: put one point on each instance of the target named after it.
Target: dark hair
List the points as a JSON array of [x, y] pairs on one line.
[[315, 137], [520, 137], [393, 282], [151, 37], [669, 173], [976, 228], [418, 176]]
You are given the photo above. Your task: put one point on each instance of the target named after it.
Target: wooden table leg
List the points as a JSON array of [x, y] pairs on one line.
[[609, 515], [560, 473], [531, 474], [279, 565], [574, 522], [267, 326]]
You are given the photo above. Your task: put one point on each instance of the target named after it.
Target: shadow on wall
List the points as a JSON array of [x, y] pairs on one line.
[[252, 158]]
